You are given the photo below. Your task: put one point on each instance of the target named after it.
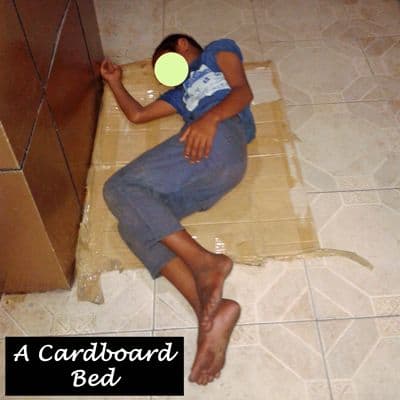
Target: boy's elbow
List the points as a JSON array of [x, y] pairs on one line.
[[245, 93], [134, 117]]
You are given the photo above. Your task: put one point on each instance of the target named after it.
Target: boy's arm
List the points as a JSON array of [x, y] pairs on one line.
[[133, 110], [240, 95], [198, 137]]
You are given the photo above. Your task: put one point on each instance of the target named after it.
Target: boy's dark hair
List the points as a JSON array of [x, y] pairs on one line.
[[169, 44]]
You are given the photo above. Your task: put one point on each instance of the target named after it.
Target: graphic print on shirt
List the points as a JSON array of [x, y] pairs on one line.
[[202, 83]]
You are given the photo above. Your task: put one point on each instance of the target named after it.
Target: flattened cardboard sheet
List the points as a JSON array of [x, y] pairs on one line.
[[266, 215]]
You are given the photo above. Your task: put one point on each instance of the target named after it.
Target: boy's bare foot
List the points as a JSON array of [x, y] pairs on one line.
[[212, 345], [210, 280]]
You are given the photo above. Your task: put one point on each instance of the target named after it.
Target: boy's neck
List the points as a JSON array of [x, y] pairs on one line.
[[192, 55]]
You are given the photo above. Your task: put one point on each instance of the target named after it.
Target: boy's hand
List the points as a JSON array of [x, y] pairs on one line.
[[198, 138], [110, 72]]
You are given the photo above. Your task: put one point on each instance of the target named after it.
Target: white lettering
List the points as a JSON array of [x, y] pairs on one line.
[[90, 354], [134, 354], [96, 353], [41, 353], [148, 355], [120, 355], [167, 352], [62, 355], [23, 352], [78, 374], [80, 379]]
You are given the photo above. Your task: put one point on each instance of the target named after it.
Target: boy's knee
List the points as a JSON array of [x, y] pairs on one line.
[[112, 189], [234, 174]]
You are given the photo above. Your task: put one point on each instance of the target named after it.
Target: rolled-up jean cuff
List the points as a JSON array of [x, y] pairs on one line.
[[168, 230], [155, 270]]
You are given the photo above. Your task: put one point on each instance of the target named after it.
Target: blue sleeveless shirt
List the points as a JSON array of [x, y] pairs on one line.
[[206, 86]]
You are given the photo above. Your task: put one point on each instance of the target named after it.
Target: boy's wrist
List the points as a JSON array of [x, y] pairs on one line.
[[114, 83], [213, 116]]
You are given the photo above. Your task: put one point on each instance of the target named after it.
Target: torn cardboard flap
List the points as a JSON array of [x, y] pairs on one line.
[[266, 216]]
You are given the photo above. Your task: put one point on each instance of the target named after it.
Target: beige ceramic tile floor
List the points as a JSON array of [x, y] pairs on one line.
[[321, 329]]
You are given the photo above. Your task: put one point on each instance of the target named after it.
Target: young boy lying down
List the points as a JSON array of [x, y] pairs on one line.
[[188, 172]]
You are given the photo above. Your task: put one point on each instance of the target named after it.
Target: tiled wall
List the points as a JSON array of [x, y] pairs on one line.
[[49, 99], [130, 30]]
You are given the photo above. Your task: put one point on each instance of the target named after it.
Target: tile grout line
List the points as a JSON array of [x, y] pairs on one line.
[[245, 324], [302, 340], [257, 27], [42, 91], [318, 331], [14, 320], [45, 83], [28, 45], [361, 317], [81, 24], [380, 164], [367, 60], [99, 333], [61, 146], [382, 100], [354, 190], [330, 39], [56, 42], [339, 337], [30, 140], [335, 303], [295, 300]]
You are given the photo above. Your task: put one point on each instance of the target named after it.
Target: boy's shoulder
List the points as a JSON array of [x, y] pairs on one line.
[[222, 44], [218, 45]]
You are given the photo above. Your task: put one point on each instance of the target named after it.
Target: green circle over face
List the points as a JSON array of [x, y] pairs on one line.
[[171, 69]]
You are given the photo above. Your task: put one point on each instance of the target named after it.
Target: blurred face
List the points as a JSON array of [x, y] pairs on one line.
[[158, 55], [184, 48], [171, 69]]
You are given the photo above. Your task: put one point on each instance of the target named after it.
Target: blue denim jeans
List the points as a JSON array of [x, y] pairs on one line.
[[150, 195]]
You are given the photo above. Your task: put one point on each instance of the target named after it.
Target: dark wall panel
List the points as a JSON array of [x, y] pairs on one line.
[[50, 183], [41, 19], [90, 26], [28, 260], [71, 93], [20, 88], [7, 156], [47, 140]]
